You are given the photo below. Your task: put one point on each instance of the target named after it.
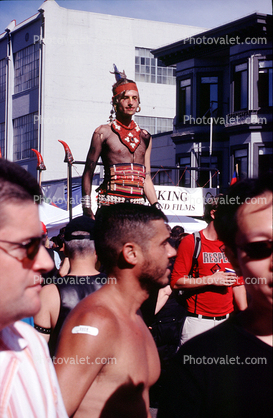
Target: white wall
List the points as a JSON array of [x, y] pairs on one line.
[[79, 51]]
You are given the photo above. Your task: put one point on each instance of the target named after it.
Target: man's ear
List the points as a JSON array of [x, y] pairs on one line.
[[130, 253], [233, 260], [212, 213]]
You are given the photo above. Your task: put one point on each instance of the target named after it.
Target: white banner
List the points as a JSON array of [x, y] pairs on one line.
[[181, 200]]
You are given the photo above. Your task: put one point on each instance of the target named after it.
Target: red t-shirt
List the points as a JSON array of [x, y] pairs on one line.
[[208, 300]]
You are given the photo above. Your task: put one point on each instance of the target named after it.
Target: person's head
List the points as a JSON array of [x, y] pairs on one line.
[[134, 236], [125, 98], [79, 238], [210, 209], [22, 257], [177, 234], [176, 231], [55, 241], [243, 221], [58, 240]]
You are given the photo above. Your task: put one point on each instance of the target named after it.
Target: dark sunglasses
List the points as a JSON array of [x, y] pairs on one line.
[[258, 250], [30, 247]]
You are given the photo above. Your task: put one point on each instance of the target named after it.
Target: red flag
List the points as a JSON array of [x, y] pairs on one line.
[[234, 178]]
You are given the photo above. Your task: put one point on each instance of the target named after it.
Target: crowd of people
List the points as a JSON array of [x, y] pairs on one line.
[[112, 333], [130, 318]]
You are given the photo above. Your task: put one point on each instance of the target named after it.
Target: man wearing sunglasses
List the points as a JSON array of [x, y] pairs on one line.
[[28, 383], [227, 372]]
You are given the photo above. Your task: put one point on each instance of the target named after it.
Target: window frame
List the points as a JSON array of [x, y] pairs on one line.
[[25, 136], [238, 93], [149, 69], [26, 68]]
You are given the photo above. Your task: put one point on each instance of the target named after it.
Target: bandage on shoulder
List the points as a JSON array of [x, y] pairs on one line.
[[42, 329], [85, 329]]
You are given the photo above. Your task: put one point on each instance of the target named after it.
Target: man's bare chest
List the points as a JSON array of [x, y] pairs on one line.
[[130, 367], [114, 151]]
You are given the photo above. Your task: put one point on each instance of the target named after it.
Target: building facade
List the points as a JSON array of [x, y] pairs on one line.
[[224, 90], [55, 82]]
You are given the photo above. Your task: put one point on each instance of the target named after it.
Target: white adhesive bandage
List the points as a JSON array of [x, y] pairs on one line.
[[85, 329]]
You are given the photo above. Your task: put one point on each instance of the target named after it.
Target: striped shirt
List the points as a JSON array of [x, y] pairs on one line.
[[28, 383]]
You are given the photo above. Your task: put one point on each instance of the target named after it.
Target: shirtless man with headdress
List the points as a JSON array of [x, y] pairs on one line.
[[125, 150]]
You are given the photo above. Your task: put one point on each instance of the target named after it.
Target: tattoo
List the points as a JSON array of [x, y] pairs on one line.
[[148, 174]]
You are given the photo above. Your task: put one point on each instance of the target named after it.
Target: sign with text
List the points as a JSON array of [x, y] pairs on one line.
[[181, 200]]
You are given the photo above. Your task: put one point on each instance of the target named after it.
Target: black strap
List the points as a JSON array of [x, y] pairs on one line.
[[182, 295], [196, 252], [42, 329]]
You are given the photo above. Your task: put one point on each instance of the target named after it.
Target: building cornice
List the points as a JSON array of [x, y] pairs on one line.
[[223, 37]]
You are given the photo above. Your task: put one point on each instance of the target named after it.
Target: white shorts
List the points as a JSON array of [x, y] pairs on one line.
[[194, 326]]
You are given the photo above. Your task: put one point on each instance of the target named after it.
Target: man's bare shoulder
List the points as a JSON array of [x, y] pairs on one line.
[[94, 313], [103, 130], [49, 295]]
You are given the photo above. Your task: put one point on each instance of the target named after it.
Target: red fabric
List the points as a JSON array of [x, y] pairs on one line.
[[211, 300], [44, 228], [129, 135], [124, 87]]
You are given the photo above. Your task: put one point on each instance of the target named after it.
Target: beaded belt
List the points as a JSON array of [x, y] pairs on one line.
[[124, 182], [106, 200], [127, 178]]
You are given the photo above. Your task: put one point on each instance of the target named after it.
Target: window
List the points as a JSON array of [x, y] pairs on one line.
[[184, 175], [265, 160], [154, 125], [26, 68], [265, 86], [2, 139], [240, 87], [184, 100], [240, 162], [151, 70], [204, 175], [208, 96], [162, 177], [25, 133], [2, 79]]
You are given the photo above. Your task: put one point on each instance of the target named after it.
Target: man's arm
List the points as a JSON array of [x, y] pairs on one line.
[[182, 266], [90, 165], [50, 308], [149, 189], [220, 278], [88, 336], [163, 296], [240, 299]]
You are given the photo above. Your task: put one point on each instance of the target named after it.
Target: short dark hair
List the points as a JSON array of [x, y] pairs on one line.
[[124, 222], [225, 221], [79, 247], [16, 183], [177, 234]]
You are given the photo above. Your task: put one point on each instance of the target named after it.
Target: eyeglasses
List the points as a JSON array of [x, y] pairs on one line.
[[30, 247], [258, 250]]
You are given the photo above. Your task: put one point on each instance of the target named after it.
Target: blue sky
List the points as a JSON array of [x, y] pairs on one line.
[[202, 13]]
